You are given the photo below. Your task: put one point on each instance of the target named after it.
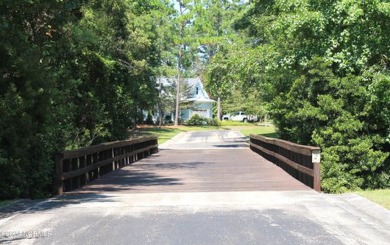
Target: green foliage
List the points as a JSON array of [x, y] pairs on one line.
[[197, 120], [71, 75], [12, 177], [214, 122], [249, 101], [325, 76], [149, 119], [32, 35]]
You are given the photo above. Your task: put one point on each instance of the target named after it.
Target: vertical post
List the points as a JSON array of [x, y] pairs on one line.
[[112, 157], [316, 159], [59, 184], [86, 175]]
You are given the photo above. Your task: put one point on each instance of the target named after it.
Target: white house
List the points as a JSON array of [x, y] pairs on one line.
[[195, 95], [202, 104]]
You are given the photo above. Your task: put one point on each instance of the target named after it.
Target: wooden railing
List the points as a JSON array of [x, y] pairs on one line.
[[301, 162], [77, 167]]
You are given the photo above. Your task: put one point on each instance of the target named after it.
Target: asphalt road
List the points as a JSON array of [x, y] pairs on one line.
[[216, 139], [200, 217]]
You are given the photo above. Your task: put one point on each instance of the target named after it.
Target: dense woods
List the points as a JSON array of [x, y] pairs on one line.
[[73, 73], [322, 68], [76, 73]]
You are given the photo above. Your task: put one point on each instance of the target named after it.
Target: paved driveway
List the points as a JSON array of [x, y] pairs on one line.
[[216, 139], [152, 211]]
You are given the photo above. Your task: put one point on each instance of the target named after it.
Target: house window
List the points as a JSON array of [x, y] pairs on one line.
[[197, 90]]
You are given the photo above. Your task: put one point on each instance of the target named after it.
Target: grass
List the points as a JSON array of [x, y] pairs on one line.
[[234, 123], [267, 131], [381, 197], [250, 128], [168, 132]]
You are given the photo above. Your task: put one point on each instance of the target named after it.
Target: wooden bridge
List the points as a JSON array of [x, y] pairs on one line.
[[200, 188], [213, 161]]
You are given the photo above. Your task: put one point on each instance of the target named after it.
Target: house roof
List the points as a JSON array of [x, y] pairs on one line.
[[198, 93]]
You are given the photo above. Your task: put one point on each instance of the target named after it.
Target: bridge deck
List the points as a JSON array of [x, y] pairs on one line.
[[197, 170]]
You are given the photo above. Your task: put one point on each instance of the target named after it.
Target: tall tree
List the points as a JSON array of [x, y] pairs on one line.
[[164, 31], [34, 38], [213, 31], [323, 65], [183, 20], [72, 74]]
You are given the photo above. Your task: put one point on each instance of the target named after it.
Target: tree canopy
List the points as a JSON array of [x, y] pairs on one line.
[[73, 74], [323, 68]]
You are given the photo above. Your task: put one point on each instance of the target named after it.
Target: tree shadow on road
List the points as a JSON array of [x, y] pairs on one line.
[[130, 179], [231, 146], [168, 165], [125, 179]]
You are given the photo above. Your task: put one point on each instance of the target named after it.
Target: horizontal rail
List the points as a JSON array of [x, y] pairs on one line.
[[76, 168], [300, 161], [103, 146]]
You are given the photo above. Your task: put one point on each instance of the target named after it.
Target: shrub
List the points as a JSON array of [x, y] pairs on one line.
[[149, 119], [214, 122], [197, 120]]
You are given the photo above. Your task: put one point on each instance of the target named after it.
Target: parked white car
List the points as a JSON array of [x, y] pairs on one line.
[[240, 116]]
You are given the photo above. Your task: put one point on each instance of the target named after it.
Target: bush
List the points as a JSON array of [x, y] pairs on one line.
[[347, 118], [13, 179], [149, 119], [168, 120], [197, 120], [214, 122]]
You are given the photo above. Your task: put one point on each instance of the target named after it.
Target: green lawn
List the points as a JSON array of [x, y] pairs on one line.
[[381, 197], [226, 123], [166, 133], [268, 131]]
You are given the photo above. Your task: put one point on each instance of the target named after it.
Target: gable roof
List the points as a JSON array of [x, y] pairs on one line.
[[198, 93]]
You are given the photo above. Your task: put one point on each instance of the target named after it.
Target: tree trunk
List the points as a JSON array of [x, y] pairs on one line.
[[181, 27], [219, 116], [160, 114], [177, 99]]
